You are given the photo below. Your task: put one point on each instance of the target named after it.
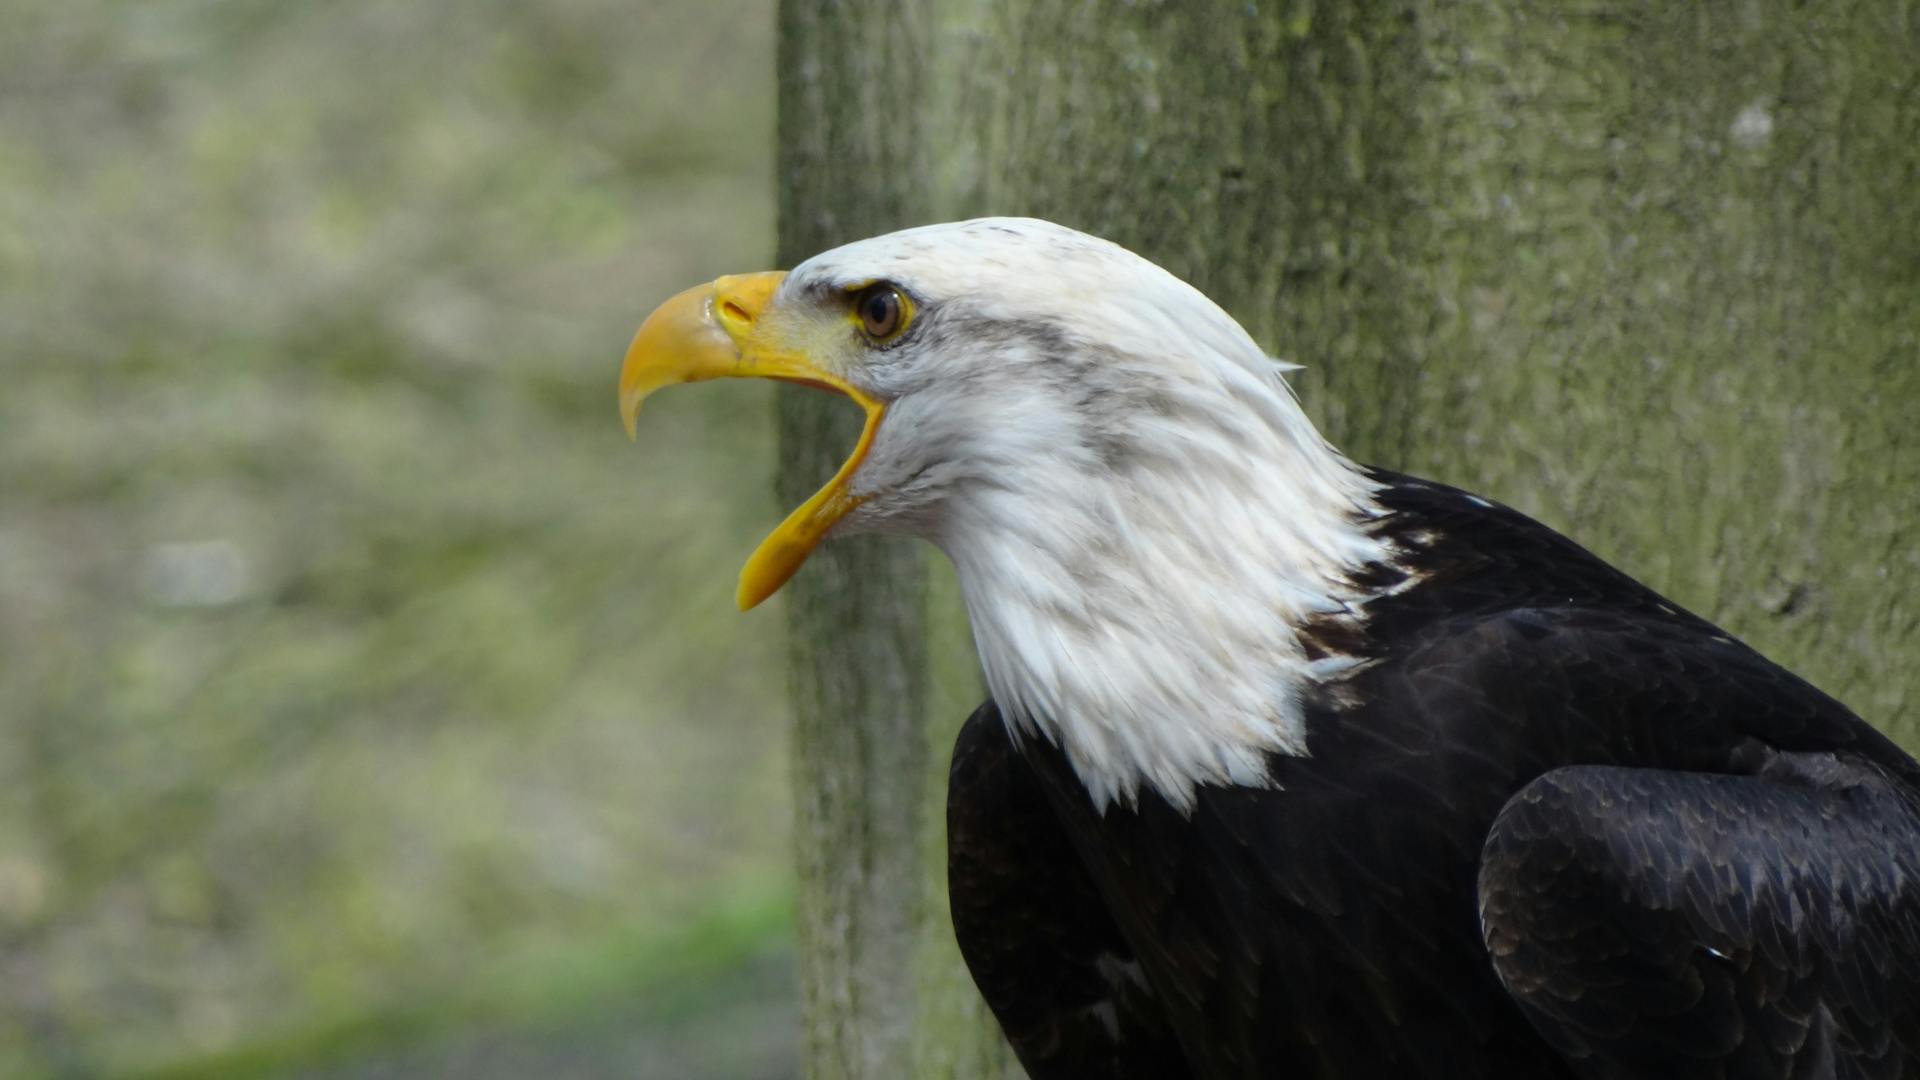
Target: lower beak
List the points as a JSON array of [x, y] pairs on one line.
[[720, 330]]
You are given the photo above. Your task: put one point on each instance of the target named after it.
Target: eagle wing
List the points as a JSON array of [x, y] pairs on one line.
[[1653, 922], [1708, 867]]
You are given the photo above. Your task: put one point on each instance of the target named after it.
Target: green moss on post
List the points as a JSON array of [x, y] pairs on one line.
[[883, 992]]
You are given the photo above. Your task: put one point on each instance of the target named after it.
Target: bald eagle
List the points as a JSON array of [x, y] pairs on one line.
[[1297, 767]]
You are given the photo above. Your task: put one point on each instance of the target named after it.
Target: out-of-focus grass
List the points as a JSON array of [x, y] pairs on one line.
[[593, 997], [346, 647]]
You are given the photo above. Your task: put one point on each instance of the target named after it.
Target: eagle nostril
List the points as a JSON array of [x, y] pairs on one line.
[[733, 312]]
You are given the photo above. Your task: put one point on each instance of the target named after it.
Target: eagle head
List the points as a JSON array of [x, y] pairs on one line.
[[997, 360], [1109, 460]]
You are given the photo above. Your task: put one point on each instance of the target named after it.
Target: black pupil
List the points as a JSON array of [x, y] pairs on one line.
[[880, 312]]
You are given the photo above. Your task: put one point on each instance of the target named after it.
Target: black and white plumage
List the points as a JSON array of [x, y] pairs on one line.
[[1559, 828], [1303, 768]]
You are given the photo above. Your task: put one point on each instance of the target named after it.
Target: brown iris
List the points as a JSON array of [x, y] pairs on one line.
[[882, 312]]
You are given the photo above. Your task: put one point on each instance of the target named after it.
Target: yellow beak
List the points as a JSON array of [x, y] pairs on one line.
[[721, 330]]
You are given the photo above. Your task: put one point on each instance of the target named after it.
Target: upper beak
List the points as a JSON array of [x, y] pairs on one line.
[[721, 330]]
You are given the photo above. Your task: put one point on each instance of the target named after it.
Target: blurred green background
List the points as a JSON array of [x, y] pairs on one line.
[[368, 705]]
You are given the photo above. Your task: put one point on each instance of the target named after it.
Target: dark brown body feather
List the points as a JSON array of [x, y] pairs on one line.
[[1556, 827]]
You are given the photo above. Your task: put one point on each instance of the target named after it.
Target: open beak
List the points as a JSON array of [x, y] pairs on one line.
[[721, 330]]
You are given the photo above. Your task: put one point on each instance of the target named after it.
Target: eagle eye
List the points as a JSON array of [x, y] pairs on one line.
[[882, 312]]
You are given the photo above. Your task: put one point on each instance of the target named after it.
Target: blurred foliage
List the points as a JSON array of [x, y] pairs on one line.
[[347, 650]]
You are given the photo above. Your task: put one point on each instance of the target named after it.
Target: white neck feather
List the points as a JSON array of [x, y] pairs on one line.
[[1138, 598], [1142, 519]]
